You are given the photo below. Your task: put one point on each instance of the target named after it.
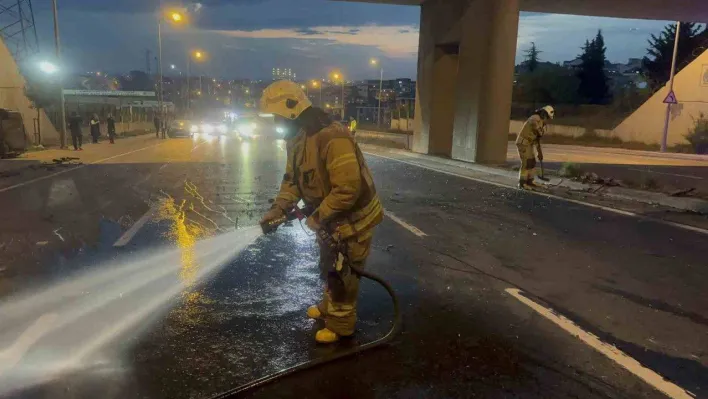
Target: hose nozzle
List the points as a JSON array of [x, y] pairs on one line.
[[295, 213], [272, 225]]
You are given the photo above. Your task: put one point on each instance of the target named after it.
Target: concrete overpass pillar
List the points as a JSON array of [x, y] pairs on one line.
[[465, 78]]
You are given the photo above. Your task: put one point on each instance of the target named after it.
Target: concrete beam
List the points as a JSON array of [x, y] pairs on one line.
[[673, 10]]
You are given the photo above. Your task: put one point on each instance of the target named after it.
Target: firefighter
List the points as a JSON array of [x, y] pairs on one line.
[[326, 169], [530, 137], [352, 126]]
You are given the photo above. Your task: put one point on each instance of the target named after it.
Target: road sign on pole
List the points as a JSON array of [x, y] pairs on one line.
[[671, 98]]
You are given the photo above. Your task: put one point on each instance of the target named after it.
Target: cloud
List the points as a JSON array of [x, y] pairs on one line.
[[560, 37], [393, 41]]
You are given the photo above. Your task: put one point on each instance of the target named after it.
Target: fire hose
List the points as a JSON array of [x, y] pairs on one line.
[[396, 327]]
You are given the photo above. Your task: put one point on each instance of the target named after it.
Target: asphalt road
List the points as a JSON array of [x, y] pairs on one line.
[[141, 275]]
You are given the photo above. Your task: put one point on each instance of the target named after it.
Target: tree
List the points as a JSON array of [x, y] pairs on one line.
[[531, 61], [593, 87], [657, 64], [548, 84]]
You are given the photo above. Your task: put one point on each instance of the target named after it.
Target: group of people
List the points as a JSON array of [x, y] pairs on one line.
[[75, 128]]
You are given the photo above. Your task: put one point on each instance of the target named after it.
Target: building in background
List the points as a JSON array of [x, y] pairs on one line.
[[284, 73]]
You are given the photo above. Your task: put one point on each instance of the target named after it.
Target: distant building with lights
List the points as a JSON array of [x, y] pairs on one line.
[[284, 73]]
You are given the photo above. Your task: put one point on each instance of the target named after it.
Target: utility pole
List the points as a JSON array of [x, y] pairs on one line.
[[664, 138], [378, 112], [147, 62], [189, 88], [159, 68], [62, 110]]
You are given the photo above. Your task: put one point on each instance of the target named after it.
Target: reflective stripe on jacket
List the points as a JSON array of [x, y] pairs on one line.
[[327, 171], [532, 130]]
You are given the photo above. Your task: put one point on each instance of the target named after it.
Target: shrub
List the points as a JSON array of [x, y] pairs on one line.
[[698, 135], [570, 170]]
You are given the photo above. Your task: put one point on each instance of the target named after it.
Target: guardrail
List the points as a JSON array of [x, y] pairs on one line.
[[385, 139]]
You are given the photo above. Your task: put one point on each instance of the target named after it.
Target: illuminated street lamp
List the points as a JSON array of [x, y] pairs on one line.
[[374, 62], [48, 68], [199, 56], [316, 84], [175, 17], [340, 77]]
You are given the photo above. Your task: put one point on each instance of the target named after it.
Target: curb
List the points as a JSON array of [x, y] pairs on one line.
[[686, 204]]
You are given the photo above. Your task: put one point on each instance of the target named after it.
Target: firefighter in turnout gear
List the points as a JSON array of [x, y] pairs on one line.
[[327, 171], [528, 138]]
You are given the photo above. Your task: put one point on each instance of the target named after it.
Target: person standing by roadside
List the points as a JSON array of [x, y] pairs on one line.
[[95, 128], [528, 138], [75, 129], [352, 126], [111, 126], [158, 125]]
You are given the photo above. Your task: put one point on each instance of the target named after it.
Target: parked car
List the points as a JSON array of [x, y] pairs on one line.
[[179, 128]]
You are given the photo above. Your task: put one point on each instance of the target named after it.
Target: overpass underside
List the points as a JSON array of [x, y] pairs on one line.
[[466, 60]]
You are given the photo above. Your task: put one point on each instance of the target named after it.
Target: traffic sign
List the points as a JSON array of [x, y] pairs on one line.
[[671, 98]]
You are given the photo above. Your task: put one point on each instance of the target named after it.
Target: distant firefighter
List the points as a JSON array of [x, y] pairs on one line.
[[530, 137]]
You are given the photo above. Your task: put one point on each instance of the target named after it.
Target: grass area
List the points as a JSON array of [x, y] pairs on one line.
[[383, 129], [594, 140], [570, 170]]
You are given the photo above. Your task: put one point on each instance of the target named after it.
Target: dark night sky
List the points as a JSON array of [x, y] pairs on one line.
[[247, 38]]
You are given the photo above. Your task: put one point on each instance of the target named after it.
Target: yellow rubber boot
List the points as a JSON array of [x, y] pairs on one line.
[[325, 336], [313, 312]]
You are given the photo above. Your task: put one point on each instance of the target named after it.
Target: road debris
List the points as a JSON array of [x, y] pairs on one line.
[[682, 192]]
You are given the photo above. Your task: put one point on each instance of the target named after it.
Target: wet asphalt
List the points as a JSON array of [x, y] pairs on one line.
[[198, 303]]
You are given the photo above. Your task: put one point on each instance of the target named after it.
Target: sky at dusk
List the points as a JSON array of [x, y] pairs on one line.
[[247, 38]]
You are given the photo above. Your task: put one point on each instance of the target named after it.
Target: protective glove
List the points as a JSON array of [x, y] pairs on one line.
[[313, 224], [274, 213]]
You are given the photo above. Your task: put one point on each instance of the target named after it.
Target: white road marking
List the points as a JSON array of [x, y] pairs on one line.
[[28, 182], [547, 195], [405, 225], [133, 230], [630, 364], [10, 356]]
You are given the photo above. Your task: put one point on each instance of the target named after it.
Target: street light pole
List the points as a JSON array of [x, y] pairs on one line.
[[378, 112], [62, 111], [342, 98], [159, 67], [665, 136], [189, 77]]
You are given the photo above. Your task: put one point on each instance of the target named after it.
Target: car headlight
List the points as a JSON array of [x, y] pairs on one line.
[[222, 129], [280, 130], [207, 128], [194, 129]]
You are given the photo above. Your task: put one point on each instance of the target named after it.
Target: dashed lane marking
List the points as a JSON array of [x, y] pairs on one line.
[[547, 195], [10, 356], [418, 232], [133, 230], [28, 182], [630, 364]]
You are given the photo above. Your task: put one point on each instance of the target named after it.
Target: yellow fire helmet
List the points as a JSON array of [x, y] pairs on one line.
[[550, 111], [284, 98]]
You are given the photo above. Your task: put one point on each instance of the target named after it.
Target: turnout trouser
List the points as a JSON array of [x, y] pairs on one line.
[[338, 306], [527, 171]]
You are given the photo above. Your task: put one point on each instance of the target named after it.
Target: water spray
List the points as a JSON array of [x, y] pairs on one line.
[[325, 236]]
